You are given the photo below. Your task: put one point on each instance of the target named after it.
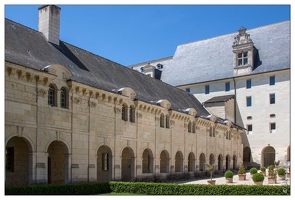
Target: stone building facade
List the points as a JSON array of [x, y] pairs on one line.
[[72, 116], [243, 77]]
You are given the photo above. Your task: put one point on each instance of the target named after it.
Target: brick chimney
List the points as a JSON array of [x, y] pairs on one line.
[[49, 22]]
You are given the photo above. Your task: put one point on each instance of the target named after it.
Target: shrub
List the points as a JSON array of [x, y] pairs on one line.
[[253, 170], [242, 170], [228, 174], [281, 171], [271, 167], [257, 177], [262, 168]]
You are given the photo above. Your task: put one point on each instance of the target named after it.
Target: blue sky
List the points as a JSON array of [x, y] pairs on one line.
[[130, 34]]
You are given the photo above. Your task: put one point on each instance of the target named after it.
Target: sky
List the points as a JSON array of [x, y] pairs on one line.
[[134, 33]]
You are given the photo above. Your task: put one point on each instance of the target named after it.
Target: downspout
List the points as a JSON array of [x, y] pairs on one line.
[[88, 157], [37, 127], [235, 101]]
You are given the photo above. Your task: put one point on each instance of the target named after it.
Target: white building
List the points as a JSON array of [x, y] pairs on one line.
[[243, 77]]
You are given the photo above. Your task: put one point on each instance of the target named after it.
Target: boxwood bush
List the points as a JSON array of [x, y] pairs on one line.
[[144, 188], [253, 170]]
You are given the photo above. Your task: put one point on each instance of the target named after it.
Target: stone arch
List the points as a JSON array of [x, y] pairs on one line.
[[147, 161], [18, 161], [104, 163], [220, 161], [191, 162], [127, 164], [202, 162], [57, 162], [178, 161], [164, 162], [268, 156], [247, 154]]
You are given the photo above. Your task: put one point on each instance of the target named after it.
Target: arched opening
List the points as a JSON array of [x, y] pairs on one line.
[[57, 163], [178, 162], [104, 164], [127, 164], [18, 162], [234, 162], [247, 154], [202, 162], [164, 162], [288, 153], [227, 162], [220, 160], [147, 161], [268, 156], [191, 162]]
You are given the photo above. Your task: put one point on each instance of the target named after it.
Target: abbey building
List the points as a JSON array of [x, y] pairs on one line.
[[243, 77], [73, 116]]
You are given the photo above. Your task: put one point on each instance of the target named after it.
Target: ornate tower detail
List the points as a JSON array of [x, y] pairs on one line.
[[244, 52]]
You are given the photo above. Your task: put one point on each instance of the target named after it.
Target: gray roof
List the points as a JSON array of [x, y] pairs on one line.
[[212, 59], [29, 48], [217, 99]]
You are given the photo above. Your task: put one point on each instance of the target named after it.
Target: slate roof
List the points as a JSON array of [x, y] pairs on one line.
[[29, 48], [217, 99], [212, 59]]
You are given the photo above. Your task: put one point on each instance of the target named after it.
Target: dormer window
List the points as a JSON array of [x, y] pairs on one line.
[[242, 58]]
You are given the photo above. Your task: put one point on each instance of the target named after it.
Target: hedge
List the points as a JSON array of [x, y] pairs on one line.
[[144, 188]]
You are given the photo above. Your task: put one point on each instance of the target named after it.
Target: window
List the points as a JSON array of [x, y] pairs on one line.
[[248, 83], [124, 112], [249, 117], [194, 127], [227, 86], [188, 90], [105, 162], [162, 120], [207, 89], [249, 128], [272, 127], [272, 98], [132, 114], [63, 97], [272, 80], [9, 159], [167, 122], [242, 58], [51, 95], [189, 127], [249, 101]]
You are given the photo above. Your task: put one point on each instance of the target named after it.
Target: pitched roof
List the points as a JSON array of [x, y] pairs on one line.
[[29, 48], [212, 59], [217, 99]]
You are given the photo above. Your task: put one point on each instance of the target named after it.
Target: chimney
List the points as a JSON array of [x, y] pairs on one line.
[[49, 22]]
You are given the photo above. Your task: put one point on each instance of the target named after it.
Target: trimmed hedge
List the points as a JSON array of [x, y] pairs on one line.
[[60, 189], [144, 188]]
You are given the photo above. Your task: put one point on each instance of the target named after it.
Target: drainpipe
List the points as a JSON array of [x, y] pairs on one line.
[[235, 101]]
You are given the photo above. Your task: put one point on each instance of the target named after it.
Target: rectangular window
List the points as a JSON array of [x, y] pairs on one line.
[[272, 98], [188, 90], [207, 89], [227, 86], [272, 127], [248, 83], [249, 128], [243, 58], [9, 159], [249, 101], [272, 80]]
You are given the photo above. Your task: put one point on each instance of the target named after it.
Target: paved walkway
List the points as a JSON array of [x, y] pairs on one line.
[[236, 181]]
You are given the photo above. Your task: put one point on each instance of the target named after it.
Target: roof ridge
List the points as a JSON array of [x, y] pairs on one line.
[[209, 38]]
